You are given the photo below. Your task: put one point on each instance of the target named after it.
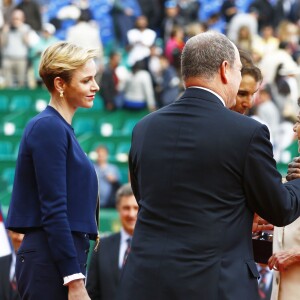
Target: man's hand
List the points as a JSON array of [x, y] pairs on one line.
[[260, 224], [293, 169], [77, 290]]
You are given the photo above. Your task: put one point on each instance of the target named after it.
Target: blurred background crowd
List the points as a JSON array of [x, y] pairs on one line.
[[140, 43]]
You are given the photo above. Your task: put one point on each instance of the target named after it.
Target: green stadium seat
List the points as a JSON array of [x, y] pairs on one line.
[[84, 125], [111, 123], [4, 103], [5, 197], [129, 125], [109, 220], [16, 150], [98, 103], [20, 103], [40, 93], [124, 173], [6, 150], [122, 151], [8, 175]]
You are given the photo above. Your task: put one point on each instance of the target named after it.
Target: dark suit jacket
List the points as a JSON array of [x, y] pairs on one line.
[[6, 291], [198, 172], [103, 274]]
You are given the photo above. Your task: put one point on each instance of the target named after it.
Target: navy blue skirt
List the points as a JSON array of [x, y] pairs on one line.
[[37, 275]]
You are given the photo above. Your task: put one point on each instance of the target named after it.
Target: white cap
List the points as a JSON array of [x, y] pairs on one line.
[[50, 28]]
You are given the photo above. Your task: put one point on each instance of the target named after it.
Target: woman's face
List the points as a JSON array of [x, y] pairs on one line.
[[80, 92], [296, 129]]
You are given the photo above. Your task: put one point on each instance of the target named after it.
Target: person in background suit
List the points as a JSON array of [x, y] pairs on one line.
[[8, 286], [106, 264], [264, 281], [193, 236], [285, 260], [58, 214], [250, 84]]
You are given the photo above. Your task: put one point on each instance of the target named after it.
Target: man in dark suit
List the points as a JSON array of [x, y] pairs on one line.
[[8, 287], [199, 172], [106, 264], [264, 282]]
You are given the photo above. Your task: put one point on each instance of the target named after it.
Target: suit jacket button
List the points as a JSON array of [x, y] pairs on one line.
[[85, 265], [86, 251], [22, 258]]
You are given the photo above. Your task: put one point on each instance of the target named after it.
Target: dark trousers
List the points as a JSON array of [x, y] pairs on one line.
[[36, 273]]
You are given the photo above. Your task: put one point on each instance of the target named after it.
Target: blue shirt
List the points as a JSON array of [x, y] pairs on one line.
[[105, 187]]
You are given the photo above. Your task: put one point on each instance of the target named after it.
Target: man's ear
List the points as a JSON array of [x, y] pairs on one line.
[[59, 84], [224, 71]]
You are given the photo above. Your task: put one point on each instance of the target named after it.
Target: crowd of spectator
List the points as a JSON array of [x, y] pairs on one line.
[[140, 67]]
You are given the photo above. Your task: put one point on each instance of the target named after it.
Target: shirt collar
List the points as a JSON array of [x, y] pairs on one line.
[[124, 235], [202, 88]]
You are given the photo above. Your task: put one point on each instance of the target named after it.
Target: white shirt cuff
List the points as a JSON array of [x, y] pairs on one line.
[[72, 277]]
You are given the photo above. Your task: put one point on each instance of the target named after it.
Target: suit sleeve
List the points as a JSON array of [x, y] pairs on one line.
[[266, 195], [93, 277], [49, 145]]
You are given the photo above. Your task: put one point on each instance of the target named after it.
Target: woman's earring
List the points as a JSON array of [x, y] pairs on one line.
[[61, 94]]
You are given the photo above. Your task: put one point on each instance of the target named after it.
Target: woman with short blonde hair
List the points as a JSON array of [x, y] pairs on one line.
[[55, 189]]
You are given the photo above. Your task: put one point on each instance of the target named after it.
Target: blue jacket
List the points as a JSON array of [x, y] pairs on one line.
[[55, 187]]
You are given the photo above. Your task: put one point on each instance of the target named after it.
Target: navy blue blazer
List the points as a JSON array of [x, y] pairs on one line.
[[199, 172], [55, 187]]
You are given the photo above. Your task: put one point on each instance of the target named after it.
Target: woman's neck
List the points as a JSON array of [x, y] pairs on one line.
[[63, 109]]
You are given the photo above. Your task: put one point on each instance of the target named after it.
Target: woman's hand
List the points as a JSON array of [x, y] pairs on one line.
[[281, 261], [77, 290]]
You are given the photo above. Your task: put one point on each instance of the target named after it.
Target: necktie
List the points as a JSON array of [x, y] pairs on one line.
[[262, 286], [127, 250], [12, 273]]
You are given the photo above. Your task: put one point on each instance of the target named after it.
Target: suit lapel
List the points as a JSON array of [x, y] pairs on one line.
[[115, 247]]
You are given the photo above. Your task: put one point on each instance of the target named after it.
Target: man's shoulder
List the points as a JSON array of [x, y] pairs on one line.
[[5, 262], [243, 120], [111, 237]]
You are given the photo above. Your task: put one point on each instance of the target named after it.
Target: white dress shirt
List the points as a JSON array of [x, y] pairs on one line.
[[202, 88], [123, 246]]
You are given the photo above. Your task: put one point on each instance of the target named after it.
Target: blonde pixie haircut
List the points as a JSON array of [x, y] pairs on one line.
[[61, 60]]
